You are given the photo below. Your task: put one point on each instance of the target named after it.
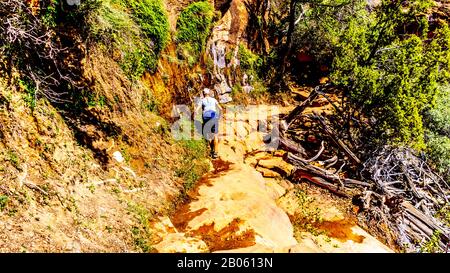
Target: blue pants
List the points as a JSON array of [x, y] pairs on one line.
[[210, 127]]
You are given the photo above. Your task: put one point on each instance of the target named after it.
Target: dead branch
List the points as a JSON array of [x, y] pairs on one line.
[[286, 123], [35, 187], [336, 140]]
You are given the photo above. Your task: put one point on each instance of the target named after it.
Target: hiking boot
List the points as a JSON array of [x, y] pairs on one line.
[[214, 155]]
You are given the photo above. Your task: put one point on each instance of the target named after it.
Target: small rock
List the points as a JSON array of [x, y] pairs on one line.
[[324, 80], [118, 157], [223, 99]]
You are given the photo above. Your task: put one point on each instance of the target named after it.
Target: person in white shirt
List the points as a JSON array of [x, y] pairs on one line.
[[210, 113]]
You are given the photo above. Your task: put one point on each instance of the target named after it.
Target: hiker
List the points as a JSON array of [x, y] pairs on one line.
[[210, 107]]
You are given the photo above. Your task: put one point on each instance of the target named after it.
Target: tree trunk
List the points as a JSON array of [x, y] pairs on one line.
[[289, 42]]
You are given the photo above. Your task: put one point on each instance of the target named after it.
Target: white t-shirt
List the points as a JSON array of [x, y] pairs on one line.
[[209, 104]]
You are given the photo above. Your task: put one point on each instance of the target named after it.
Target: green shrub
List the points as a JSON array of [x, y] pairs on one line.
[[383, 57], [307, 216], [432, 245], [50, 13], [153, 20], [134, 32], [444, 214], [61, 12], [43, 46], [438, 118], [30, 93], [141, 233], [391, 78], [3, 202], [193, 28], [194, 164], [249, 61], [438, 149]]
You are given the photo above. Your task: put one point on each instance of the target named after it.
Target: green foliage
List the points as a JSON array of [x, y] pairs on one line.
[[324, 23], [307, 216], [55, 12], [432, 246], [438, 149], [135, 33], [252, 65], [13, 158], [142, 233], [444, 214], [194, 164], [30, 93], [149, 102], [193, 28], [249, 61], [50, 14], [43, 46], [3, 202], [94, 100], [437, 121], [392, 78], [153, 20], [438, 118]]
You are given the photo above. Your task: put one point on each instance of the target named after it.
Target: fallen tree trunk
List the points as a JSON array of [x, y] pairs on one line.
[[319, 181], [302, 164], [425, 219]]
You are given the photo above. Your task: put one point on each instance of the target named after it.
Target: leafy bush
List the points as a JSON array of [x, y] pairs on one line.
[[438, 118], [194, 26], [388, 58], [438, 148], [153, 20], [392, 78], [249, 61], [3, 202], [194, 164], [136, 38]]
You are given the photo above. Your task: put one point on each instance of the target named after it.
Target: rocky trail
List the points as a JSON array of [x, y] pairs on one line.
[[244, 205]]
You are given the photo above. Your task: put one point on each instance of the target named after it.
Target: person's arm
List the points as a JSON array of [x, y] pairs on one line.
[[198, 107]]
